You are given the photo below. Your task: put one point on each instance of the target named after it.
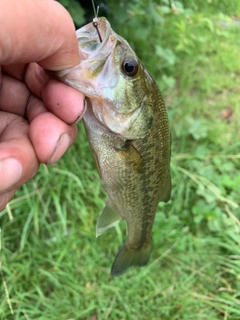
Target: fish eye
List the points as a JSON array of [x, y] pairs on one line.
[[130, 67]]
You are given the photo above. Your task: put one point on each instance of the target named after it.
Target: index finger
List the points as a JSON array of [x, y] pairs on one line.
[[37, 31]]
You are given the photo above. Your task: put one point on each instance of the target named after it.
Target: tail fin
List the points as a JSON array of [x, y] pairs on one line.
[[127, 258]]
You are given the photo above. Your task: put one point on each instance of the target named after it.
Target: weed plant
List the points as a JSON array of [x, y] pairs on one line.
[[52, 266]]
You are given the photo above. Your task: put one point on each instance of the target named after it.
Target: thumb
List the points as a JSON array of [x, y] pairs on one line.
[[37, 31]]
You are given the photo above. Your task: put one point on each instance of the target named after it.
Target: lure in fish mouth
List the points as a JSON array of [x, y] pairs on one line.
[[128, 131]]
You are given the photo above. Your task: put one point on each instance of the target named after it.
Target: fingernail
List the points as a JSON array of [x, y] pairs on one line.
[[10, 173], [61, 147], [82, 114]]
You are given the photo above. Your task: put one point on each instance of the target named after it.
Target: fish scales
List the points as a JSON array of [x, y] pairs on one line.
[[128, 131]]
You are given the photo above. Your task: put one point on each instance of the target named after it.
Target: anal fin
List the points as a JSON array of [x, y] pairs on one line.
[[108, 218]]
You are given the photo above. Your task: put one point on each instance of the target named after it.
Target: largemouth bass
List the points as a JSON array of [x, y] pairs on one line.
[[128, 131]]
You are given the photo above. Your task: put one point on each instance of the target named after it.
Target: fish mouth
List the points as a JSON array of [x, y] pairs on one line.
[[93, 37], [93, 51]]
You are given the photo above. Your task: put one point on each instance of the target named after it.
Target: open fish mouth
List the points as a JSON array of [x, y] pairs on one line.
[[88, 38], [95, 47]]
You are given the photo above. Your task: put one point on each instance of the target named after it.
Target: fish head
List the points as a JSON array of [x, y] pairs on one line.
[[119, 88]]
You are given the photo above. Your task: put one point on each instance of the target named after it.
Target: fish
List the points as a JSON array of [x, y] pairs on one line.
[[128, 131]]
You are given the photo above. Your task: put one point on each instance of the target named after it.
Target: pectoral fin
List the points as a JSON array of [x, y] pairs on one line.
[[131, 156], [108, 218]]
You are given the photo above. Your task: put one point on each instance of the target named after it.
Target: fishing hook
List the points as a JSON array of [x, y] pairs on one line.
[[95, 23]]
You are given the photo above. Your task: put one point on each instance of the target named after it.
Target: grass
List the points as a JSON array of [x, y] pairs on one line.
[[53, 267]]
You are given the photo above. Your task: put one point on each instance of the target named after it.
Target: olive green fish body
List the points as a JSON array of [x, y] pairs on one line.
[[128, 131], [135, 175]]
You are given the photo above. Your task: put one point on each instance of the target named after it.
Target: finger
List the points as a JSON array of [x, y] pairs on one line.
[[35, 79], [50, 137], [16, 70], [46, 25], [65, 102], [35, 107], [13, 95], [18, 161], [31, 74], [5, 198]]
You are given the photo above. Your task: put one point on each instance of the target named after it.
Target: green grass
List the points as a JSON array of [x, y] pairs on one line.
[[52, 265]]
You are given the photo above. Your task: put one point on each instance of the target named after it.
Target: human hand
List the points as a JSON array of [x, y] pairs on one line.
[[37, 114]]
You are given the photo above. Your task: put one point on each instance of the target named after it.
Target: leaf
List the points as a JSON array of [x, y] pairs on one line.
[[168, 81], [166, 54], [197, 129]]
